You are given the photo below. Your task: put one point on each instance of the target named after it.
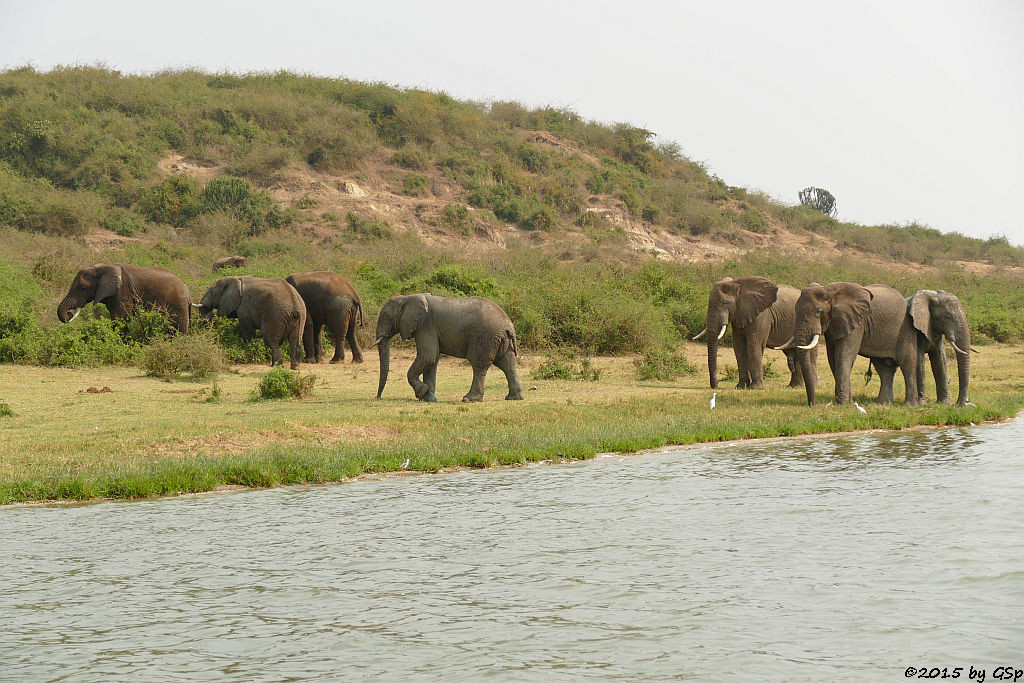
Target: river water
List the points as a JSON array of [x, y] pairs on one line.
[[839, 558]]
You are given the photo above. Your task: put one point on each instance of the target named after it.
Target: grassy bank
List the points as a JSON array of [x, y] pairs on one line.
[[69, 438]]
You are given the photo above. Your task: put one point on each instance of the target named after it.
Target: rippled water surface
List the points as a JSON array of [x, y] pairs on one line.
[[846, 558]]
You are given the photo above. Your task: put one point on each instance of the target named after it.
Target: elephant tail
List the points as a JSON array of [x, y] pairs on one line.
[[511, 335], [359, 309]]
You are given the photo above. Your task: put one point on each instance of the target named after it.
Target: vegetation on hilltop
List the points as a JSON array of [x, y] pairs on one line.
[[80, 149]]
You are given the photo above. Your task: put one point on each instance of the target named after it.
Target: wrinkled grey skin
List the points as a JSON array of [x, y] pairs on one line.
[[331, 301], [231, 262], [473, 328], [123, 288], [269, 305], [854, 320], [762, 314], [937, 316]]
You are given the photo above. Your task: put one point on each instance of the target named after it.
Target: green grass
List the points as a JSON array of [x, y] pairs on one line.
[[148, 437]]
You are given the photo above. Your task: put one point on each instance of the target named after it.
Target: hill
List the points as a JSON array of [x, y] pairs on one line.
[[591, 235]]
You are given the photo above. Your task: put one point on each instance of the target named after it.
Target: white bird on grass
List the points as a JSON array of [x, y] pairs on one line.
[[405, 465], [712, 404], [858, 407]]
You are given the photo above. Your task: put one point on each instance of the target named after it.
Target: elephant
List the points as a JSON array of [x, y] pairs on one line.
[[762, 313], [937, 314], [123, 288], [871, 321], [473, 328], [269, 305], [231, 262], [330, 300]]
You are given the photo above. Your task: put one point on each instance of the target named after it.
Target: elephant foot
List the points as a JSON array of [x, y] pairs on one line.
[[336, 360], [429, 397], [514, 397], [470, 398], [308, 359], [294, 365], [422, 390], [357, 359]]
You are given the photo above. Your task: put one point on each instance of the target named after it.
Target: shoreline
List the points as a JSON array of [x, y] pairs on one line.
[[229, 489]]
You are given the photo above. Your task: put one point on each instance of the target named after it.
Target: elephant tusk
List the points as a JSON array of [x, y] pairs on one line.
[[958, 349], [702, 333], [814, 342], [379, 340], [77, 313], [197, 305], [722, 333], [785, 346]]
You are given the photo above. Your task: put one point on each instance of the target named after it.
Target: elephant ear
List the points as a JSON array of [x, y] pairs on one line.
[[920, 311], [851, 304], [755, 295], [232, 297], [109, 284], [414, 314]]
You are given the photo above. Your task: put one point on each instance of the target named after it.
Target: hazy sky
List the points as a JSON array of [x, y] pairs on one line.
[[905, 111]]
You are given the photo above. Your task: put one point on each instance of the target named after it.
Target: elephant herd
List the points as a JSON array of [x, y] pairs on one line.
[[296, 309], [876, 322]]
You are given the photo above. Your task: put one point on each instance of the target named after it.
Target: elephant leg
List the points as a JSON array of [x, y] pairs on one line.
[[937, 356], [844, 356], [338, 330], [274, 344], [507, 364], [476, 391], [318, 342], [353, 343], [907, 361], [430, 379], [886, 369], [920, 374], [739, 347], [427, 354], [796, 374], [755, 364], [295, 345], [308, 345]]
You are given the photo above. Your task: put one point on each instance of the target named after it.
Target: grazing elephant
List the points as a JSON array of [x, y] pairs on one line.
[[231, 262], [762, 313], [473, 328], [269, 305], [869, 321], [123, 288], [938, 314], [330, 300]]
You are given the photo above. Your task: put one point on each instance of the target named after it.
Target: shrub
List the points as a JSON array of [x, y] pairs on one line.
[[124, 222], [768, 368], [89, 341], [455, 215], [662, 364], [367, 228], [416, 185], [565, 367], [410, 157], [174, 201], [225, 333], [282, 383], [5, 410], [195, 355]]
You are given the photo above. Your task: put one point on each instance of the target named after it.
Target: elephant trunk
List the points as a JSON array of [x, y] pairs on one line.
[[64, 308], [810, 378], [384, 351], [962, 337], [715, 329]]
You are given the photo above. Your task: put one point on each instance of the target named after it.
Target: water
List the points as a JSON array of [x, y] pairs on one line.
[[848, 558]]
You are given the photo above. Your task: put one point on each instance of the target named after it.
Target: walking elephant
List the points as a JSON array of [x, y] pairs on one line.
[[473, 328], [269, 305], [869, 321], [938, 314], [762, 314], [123, 288], [330, 300]]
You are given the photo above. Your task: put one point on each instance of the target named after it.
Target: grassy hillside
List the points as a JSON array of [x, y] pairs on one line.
[[537, 209]]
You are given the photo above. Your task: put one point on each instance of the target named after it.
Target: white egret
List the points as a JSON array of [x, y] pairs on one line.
[[713, 400], [858, 407]]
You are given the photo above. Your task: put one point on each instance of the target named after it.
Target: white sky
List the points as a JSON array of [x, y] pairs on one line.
[[904, 110]]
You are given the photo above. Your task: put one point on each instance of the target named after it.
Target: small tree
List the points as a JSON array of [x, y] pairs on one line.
[[820, 199]]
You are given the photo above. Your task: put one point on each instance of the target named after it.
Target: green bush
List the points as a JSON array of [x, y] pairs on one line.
[[565, 367], [5, 410], [225, 332], [663, 365], [175, 201], [367, 229], [196, 356], [282, 383], [455, 216], [124, 222], [416, 185]]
